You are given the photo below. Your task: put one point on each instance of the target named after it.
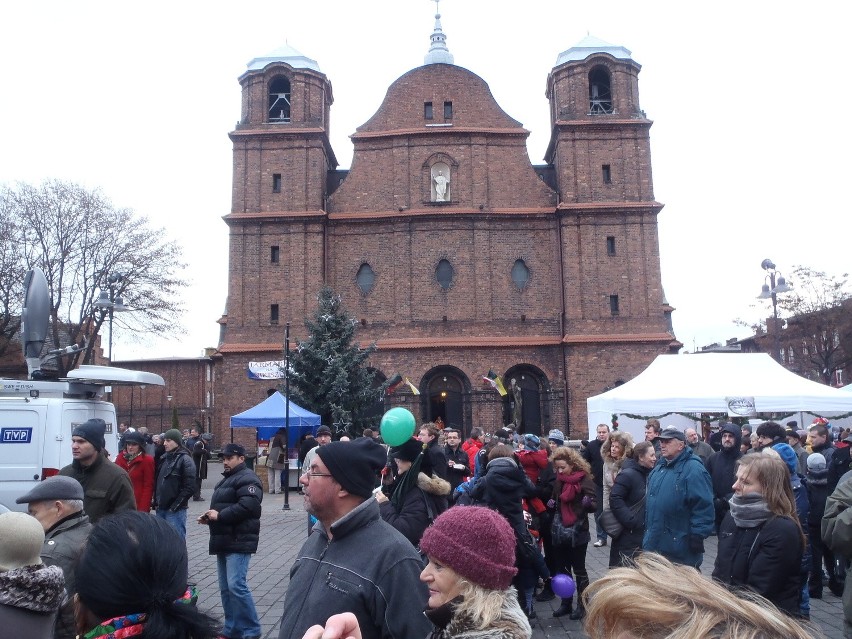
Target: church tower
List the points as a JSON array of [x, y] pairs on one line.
[[282, 159], [616, 317]]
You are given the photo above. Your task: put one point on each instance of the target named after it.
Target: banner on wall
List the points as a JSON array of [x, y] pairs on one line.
[[273, 369]]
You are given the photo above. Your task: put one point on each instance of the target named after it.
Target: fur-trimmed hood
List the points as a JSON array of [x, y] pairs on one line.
[[36, 588], [511, 624], [433, 485]]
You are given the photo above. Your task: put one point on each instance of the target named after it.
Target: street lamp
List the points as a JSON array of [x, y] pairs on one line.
[[111, 303], [770, 290]]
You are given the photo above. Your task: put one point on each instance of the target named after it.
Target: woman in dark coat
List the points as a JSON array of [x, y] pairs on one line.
[[627, 491], [760, 539], [503, 488], [415, 497]]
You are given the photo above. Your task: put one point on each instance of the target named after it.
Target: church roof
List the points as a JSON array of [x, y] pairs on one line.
[[591, 45], [287, 55]]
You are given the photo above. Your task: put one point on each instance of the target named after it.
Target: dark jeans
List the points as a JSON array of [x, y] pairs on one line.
[[197, 492], [601, 533], [820, 554]]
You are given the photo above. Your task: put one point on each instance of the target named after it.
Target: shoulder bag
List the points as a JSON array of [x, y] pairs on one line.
[[612, 526]]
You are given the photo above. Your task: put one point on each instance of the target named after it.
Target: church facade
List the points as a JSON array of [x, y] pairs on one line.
[[452, 252]]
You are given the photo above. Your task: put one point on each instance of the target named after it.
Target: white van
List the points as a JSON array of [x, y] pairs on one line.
[[37, 418]]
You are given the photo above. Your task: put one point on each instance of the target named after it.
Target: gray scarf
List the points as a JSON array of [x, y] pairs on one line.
[[749, 511]]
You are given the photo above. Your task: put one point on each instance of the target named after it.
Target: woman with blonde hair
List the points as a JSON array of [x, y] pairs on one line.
[[617, 448], [656, 599], [471, 565], [760, 539], [574, 497]]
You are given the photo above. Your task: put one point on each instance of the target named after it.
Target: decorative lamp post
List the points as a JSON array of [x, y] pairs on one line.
[[774, 283], [286, 505], [110, 302]]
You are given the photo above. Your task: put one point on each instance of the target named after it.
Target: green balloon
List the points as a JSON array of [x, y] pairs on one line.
[[397, 426]]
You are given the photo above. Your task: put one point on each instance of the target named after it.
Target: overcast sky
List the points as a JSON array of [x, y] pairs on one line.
[[750, 102]]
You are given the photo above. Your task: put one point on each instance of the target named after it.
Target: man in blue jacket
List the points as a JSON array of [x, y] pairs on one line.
[[679, 507]]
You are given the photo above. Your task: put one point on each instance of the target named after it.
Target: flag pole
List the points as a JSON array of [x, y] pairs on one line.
[[286, 505]]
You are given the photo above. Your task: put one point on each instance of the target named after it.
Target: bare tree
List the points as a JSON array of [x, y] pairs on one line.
[[78, 238], [12, 273], [816, 338], [819, 324]]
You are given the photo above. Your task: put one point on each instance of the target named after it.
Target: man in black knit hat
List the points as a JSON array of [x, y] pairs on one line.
[[107, 488], [332, 572]]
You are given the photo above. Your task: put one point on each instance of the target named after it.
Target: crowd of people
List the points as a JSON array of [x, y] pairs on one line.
[[464, 534]]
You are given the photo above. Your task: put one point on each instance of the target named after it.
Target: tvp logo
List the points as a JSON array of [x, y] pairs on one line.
[[16, 435]]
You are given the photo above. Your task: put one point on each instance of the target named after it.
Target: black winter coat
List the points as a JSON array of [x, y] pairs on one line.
[[766, 559], [818, 492], [413, 518], [592, 454], [503, 488], [237, 499], [627, 491], [435, 461], [456, 475], [722, 467], [175, 480]]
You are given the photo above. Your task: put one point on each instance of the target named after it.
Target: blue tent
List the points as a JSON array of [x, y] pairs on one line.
[[268, 417]]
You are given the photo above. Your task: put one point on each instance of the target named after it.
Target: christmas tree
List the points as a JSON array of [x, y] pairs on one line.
[[328, 371]]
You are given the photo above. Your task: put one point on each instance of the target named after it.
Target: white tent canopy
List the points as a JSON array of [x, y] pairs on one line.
[[706, 383]]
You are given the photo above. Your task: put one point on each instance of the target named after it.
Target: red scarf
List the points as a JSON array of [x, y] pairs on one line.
[[571, 488]]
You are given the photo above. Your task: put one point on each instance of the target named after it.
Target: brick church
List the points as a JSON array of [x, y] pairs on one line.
[[452, 251]]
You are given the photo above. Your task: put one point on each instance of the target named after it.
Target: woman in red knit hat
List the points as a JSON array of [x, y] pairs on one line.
[[471, 554]]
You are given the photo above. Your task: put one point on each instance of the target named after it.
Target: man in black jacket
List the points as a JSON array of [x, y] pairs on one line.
[[722, 467], [234, 520], [593, 456], [197, 447], [457, 460], [175, 481]]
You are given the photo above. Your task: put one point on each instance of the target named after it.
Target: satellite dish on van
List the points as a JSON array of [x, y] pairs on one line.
[[34, 318]]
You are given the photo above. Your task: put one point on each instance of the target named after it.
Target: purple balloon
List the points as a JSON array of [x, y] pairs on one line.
[[563, 586]]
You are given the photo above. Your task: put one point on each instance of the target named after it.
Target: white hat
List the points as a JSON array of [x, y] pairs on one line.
[[22, 537]]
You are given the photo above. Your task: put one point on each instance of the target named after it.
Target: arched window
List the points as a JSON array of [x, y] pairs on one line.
[[444, 274], [279, 100], [520, 273], [365, 278], [600, 92]]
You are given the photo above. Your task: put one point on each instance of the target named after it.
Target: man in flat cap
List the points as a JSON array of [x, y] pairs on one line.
[[57, 504], [106, 487], [353, 561], [679, 513], [234, 520]]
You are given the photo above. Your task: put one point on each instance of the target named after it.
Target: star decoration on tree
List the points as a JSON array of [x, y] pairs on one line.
[[340, 427]]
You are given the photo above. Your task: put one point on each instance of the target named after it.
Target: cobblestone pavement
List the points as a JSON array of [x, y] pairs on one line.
[[283, 532]]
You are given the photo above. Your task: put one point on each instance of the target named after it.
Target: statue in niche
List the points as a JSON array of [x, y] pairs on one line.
[[517, 404], [442, 182]]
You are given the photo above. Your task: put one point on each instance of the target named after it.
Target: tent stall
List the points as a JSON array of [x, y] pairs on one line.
[[713, 383], [269, 416]]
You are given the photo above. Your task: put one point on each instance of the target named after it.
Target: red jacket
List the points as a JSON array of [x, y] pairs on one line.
[[141, 471], [471, 447], [533, 462]]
